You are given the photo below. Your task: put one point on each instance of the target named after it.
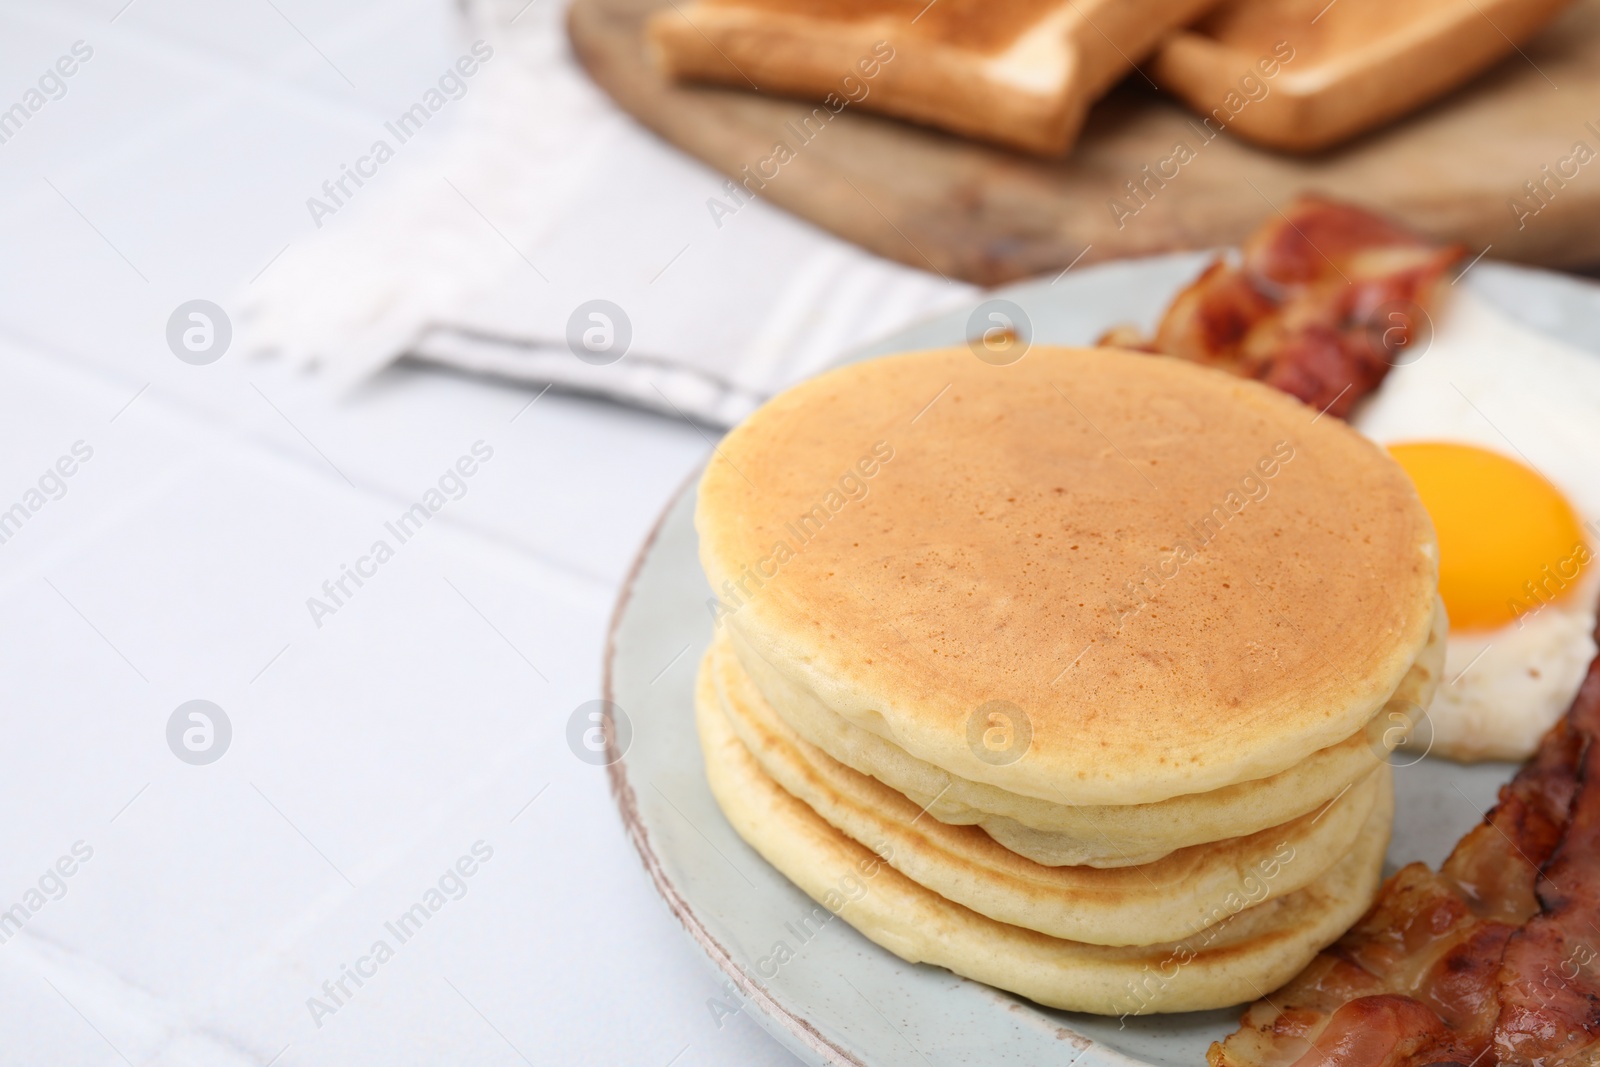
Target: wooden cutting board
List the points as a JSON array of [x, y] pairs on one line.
[[1455, 170]]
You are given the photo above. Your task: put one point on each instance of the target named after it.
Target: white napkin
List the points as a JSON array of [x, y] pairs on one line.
[[543, 197]]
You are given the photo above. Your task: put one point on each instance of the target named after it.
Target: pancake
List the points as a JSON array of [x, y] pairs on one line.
[[1156, 902], [1229, 962], [1172, 580], [1057, 834]]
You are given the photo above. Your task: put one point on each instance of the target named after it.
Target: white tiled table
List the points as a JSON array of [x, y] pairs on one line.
[[368, 753]]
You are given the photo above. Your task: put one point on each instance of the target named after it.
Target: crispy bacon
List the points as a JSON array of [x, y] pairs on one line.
[[1322, 301], [1497, 952], [1549, 981]]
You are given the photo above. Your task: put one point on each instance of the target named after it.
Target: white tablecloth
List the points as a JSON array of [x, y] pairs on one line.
[[412, 726], [543, 199]]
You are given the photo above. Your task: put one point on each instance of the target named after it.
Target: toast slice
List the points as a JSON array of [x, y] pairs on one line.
[[1021, 74], [1304, 75]]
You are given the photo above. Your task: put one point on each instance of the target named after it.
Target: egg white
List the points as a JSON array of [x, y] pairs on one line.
[[1490, 381]]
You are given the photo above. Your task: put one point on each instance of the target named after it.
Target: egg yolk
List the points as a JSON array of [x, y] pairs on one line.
[[1508, 539]]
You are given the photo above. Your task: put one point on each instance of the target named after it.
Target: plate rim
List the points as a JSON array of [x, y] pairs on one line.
[[638, 833]]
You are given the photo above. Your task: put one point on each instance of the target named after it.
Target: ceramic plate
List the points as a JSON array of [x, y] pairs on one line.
[[836, 997]]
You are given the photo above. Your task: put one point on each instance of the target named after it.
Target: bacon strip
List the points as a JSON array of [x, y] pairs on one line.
[[1323, 300], [1497, 951], [1549, 983]]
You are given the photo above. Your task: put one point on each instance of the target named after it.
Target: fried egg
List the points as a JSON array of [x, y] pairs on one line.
[[1497, 426]]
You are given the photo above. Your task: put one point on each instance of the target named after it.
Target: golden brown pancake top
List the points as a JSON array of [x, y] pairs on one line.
[[1173, 579]]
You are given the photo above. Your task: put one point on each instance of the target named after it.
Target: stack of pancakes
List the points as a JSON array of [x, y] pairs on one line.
[[1085, 667]]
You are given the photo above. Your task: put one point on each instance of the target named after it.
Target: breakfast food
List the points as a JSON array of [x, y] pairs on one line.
[[1000, 536], [1323, 300], [1019, 74], [1215, 966], [1494, 953], [1085, 584], [1328, 302], [1299, 75], [1494, 423], [1113, 835], [1355, 64], [1158, 901], [1515, 576]]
